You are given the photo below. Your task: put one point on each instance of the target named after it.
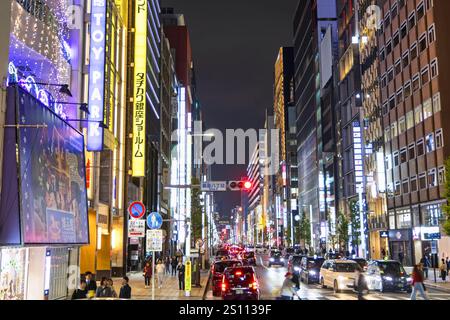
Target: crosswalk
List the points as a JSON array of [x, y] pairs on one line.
[[317, 293]]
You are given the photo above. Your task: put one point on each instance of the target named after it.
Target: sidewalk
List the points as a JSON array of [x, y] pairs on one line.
[[439, 285], [169, 291]]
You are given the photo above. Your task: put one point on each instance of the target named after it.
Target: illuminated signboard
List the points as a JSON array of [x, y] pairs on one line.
[[139, 98], [97, 75], [357, 148]]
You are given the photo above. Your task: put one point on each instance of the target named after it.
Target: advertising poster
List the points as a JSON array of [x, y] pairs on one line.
[[53, 177], [13, 263]]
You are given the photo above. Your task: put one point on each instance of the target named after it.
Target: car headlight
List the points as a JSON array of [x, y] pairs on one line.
[[409, 279], [296, 268], [312, 272], [272, 259], [388, 278], [282, 259]]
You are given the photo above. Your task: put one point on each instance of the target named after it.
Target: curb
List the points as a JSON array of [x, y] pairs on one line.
[[437, 287], [205, 292]]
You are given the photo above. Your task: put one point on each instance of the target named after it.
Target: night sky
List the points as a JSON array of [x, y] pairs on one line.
[[235, 44]]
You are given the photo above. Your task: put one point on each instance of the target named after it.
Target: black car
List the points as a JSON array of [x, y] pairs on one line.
[[310, 269], [362, 263], [240, 283], [276, 258], [217, 270], [387, 275]]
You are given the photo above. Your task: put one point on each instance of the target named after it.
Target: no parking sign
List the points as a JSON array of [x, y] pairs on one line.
[[136, 210]]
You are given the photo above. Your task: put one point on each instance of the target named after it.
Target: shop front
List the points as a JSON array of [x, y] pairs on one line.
[[401, 246]]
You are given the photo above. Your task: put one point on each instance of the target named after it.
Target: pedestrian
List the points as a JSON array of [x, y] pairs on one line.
[[91, 284], [104, 290], [110, 285], [443, 269], [125, 290], [160, 268], [383, 253], [417, 283], [174, 263], [401, 256], [167, 263], [360, 284], [425, 262], [289, 289], [147, 273], [81, 292], [447, 261], [181, 268]]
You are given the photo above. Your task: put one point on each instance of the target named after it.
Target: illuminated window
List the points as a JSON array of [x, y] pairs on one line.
[[432, 181], [429, 142], [409, 120], [403, 157], [418, 115], [427, 109], [397, 188]]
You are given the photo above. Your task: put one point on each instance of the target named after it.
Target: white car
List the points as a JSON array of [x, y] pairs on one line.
[[338, 274]]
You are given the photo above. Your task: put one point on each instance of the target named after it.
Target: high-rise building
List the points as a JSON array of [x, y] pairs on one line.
[[311, 20], [283, 99], [177, 33], [352, 179], [373, 129], [414, 72], [252, 206]]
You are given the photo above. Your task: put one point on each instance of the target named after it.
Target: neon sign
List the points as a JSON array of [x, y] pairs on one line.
[[29, 84], [97, 75]]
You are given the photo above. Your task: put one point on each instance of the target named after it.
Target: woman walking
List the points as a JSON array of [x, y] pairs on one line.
[[417, 283], [147, 273], [160, 273], [443, 269]]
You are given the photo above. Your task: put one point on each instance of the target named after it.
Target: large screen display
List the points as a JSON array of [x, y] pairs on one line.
[[52, 176]]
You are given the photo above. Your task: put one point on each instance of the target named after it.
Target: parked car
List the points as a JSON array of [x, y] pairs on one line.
[[387, 275], [217, 270], [294, 263], [338, 274], [310, 269], [276, 258], [240, 283]]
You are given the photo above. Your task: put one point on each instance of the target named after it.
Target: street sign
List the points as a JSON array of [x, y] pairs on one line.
[[384, 234], [136, 228], [187, 276], [434, 247], [211, 186], [154, 220], [154, 240], [136, 210]]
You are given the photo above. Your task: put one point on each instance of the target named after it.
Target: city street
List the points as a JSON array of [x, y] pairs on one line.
[[271, 280]]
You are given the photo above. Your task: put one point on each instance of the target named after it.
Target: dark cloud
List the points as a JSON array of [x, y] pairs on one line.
[[235, 44]]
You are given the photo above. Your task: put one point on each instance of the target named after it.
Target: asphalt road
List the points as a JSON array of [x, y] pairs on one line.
[[271, 280]]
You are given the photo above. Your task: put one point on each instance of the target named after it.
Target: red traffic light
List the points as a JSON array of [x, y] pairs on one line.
[[247, 185]]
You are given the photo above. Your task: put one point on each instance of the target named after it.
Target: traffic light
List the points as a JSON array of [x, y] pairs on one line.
[[240, 185]]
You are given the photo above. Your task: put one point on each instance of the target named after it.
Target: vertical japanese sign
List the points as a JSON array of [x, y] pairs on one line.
[[140, 74], [97, 75]]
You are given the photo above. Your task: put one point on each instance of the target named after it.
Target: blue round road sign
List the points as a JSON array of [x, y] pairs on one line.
[[154, 220], [136, 210]]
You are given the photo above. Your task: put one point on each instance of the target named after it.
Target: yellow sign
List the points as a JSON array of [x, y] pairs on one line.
[[140, 84], [187, 276]]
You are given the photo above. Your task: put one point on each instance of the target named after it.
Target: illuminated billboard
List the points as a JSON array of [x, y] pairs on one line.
[[140, 83], [53, 200], [97, 76]]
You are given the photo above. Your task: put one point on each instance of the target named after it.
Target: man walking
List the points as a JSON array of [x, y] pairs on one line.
[[425, 262], [181, 269]]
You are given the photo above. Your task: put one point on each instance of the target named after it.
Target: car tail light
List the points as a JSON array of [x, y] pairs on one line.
[[238, 273], [224, 285]]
